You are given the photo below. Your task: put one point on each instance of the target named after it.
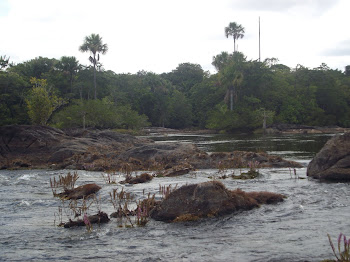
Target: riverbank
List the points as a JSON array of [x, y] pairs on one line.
[[303, 129], [273, 129]]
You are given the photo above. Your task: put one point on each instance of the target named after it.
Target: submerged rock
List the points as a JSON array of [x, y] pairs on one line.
[[99, 218], [80, 192], [332, 163], [208, 199], [143, 178]]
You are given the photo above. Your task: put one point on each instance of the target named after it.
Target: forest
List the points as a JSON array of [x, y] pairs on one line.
[[241, 96]]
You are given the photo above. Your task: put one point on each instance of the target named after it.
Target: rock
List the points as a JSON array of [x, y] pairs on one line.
[[143, 178], [79, 192], [178, 170], [46, 147], [157, 154], [43, 147], [208, 199], [251, 174], [99, 218], [332, 162]]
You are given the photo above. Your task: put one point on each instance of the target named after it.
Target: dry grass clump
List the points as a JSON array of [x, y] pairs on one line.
[[66, 182]]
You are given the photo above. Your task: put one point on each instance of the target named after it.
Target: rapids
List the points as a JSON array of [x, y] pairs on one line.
[[294, 230]]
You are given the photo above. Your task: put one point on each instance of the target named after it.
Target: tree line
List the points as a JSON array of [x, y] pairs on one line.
[[242, 95]]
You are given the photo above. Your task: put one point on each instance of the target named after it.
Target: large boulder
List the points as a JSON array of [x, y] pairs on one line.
[[332, 163], [208, 199]]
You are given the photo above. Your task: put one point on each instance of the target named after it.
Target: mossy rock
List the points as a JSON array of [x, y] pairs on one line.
[[251, 174]]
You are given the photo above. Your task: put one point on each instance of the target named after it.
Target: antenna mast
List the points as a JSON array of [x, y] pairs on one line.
[[259, 41]]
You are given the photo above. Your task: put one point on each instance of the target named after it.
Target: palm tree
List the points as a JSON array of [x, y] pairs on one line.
[[221, 60], [231, 75], [93, 43], [236, 31], [70, 65]]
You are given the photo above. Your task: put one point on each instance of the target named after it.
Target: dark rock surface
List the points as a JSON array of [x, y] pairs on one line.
[[208, 199], [143, 178], [332, 163], [43, 147], [99, 218], [46, 147], [80, 192]]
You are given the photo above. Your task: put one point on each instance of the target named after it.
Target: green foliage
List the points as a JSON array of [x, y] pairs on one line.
[[185, 76], [40, 102], [180, 111], [130, 119], [98, 114], [204, 97], [235, 98]]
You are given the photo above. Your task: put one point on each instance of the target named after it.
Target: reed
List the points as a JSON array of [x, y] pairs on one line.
[[66, 182], [143, 209], [110, 177], [165, 191], [121, 201], [343, 255]]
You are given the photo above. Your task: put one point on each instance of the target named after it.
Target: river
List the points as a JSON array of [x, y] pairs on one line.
[[294, 230]]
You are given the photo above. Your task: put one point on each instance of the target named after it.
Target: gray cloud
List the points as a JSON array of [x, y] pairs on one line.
[[341, 49]]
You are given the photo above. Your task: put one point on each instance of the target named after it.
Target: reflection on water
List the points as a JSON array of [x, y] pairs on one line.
[[298, 146]]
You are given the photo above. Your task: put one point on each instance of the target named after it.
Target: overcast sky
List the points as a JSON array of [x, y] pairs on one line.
[[158, 35]]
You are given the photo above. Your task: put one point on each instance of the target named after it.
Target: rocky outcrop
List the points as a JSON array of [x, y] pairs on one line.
[[332, 163], [208, 199], [43, 147], [46, 147]]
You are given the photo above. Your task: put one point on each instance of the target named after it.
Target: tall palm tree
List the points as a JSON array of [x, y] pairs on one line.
[[236, 31], [93, 43], [231, 76]]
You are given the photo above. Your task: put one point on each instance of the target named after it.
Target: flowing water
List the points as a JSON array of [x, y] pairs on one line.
[[294, 230]]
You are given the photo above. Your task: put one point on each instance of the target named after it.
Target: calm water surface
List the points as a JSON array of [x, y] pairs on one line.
[[295, 230]]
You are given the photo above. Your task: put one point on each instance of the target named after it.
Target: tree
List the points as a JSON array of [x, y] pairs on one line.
[[347, 70], [94, 45], [231, 76], [180, 111], [98, 114], [236, 31], [69, 65], [221, 60], [4, 62], [41, 104], [185, 76]]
